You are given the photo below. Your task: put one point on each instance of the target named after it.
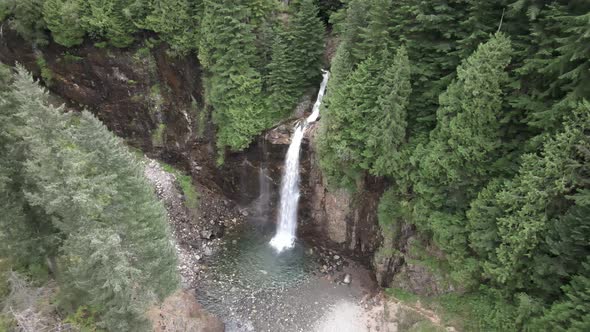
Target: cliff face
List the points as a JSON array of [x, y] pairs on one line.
[[155, 103], [140, 93], [347, 220]]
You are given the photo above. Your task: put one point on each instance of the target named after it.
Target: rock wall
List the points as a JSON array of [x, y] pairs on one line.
[[155, 103], [140, 93], [347, 221]]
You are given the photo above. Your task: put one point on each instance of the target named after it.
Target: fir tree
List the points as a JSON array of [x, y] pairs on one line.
[[388, 133], [26, 17], [63, 18], [110, 19], [88, 207], [282, 80], [177, 22], [536, 199], [459, 158], [234, 85], [306, 36]]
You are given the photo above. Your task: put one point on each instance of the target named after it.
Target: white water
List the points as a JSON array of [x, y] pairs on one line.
[[287, 223]]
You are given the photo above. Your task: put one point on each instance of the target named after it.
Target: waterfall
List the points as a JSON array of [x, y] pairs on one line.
[[287, 223]]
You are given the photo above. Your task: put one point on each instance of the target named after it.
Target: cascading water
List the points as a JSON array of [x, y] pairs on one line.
[[287, 224]]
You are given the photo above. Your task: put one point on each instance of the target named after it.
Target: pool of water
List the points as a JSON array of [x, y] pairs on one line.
[[248, 255], [252, 287]]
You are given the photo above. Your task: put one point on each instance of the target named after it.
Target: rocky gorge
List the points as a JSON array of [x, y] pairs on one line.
[[155, 102]]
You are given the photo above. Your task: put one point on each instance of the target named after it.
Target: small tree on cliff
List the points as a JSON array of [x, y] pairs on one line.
[[64, 19]]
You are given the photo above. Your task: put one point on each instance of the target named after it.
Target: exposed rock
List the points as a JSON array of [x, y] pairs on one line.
[[280, 135], [136, 95], [347, 279], [346, 221], [181, 312], [206, 234]]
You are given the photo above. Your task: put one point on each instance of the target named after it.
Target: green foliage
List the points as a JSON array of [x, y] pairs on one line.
[[26, 18], [110, 19], [402, 295], [191, 195], [84, 318], [282, 82], [176, 21], [572, 312], [63, 18], [158, 135], [71, 58], [464, 145], [306, 37], [485, 310], [488, 155], [234, 85], [46, 73], [80, 202], [364, 121]]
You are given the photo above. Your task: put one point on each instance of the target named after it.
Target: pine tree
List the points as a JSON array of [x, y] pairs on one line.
[[571, 313], [376, 37], [345, 132], [536, 199], [282, 80], [177, 22], [459, 158], [233, 85], [26, 18], [388, 133], [306, 36], [89, 209], [433, 52], [110, 19], [63, 18]]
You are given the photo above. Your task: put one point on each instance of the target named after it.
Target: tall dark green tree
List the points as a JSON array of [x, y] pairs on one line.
[[364, 123], [64, 19], [233, 84], [112, 20], [465, 144], [176, 21], [81, 199], [26, 18], [388, 134], [306, 36], [282, 80]]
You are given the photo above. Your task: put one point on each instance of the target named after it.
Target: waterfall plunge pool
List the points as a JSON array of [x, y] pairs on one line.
[[252, 287]]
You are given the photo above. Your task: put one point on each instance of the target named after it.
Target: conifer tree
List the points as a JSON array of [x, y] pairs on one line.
[[432, 51], [571, 313], [233, 85], [110, 19], [376, 36], [87, 205], [459, 158], [307, 39], [176, 21], [64, 19], [535, 201], [282, 80], [26, 17], [388, 133]]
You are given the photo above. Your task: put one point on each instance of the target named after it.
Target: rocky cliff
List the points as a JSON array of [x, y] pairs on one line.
[[155, 102], [141, 93]]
